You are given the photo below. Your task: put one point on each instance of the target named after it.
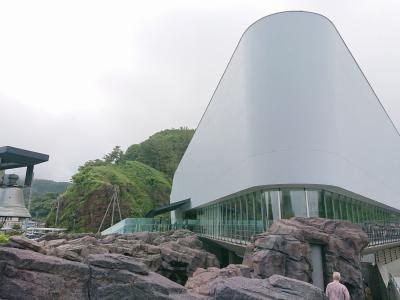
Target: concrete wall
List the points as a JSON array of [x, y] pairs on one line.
[[292, 108]]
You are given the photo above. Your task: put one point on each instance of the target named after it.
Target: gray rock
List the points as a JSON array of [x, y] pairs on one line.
[[25, 243], [54, 243], [117, 261], [275, 288], [205, 281], [114, 276], [285, 250], [25, 274]]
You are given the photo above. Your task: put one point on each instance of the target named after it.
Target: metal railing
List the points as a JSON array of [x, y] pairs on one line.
[[381, 233], [233, 233], [378, 233]]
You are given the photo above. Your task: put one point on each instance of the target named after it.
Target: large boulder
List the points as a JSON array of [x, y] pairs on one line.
[[275, 287], [286, 250], [205, 281], [25, 274], [115, 276], [21, 242], [173, 254]]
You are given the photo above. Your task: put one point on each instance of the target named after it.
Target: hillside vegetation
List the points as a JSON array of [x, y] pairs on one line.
[[163, 150], [143, 175], [43, 196], [43, 186], [41, 205]]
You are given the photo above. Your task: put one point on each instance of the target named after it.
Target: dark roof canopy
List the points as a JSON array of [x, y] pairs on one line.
[[166, 208], [11, 158]]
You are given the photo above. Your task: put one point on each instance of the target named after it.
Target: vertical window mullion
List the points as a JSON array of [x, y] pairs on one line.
[[307, 205], [254, 213], [279, 205], [263, 219]]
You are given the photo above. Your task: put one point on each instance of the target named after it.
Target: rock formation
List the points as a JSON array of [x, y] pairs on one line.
[[140, 265], [285, 250], [205, 281], [25, 274], [175, 254], [235, 282], [276, 287]]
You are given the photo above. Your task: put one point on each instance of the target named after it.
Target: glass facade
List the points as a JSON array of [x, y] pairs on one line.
[[239, 218]]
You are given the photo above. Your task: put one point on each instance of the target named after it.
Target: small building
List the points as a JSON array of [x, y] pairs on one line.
[[12, 204]]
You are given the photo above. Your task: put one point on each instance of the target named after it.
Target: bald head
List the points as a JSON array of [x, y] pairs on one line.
[[336, 276]]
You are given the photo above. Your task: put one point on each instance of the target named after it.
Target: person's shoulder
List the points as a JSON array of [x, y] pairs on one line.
[[330, 284]]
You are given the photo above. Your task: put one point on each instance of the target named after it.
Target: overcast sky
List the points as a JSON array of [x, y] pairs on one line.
[[78, 77]]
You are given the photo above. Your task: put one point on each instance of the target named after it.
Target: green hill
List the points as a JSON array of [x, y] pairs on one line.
[[43, 186], [143, 175], [84, 203], [41, 205], [163, 150]]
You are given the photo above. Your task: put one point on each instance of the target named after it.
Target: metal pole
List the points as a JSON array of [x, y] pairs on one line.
[[30, 195], [113, 208], [117, 197], [101, 224]]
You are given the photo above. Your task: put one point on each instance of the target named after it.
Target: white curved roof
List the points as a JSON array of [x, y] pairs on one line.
[[292, 108]]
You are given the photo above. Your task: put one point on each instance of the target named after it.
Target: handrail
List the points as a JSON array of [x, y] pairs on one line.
[[242, 233]]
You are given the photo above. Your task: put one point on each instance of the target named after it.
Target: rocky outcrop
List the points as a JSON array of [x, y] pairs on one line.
[[275, 287], [25, 274], [285, 250], [236, 282], [140, 265], [205, 281], [115, 276], [175, 254]]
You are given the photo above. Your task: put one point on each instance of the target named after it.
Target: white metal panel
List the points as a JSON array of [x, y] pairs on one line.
[[292, 107]]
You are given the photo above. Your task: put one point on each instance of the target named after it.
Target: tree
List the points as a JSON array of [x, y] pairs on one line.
[[115, 156]]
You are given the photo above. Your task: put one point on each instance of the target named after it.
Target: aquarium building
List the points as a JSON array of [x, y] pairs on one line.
[[293, 129]]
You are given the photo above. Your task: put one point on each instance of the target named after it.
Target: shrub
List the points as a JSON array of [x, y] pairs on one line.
[[3, 238], [16, 227]]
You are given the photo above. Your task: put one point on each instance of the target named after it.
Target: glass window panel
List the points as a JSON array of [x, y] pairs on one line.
[[274, 205], [349, 209], [293, 203], [237, 218], [343, 208], [354, 209], [245, 223], [316, 205], [250, 208], [230, 217], [360, 213], [286, 205], [328, 205], [336, 208], [258, 212]]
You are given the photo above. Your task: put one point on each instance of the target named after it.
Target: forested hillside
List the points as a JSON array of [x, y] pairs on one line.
[[163, 150], [84, 203], [143, 175], [43, 186], [43, 196]]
